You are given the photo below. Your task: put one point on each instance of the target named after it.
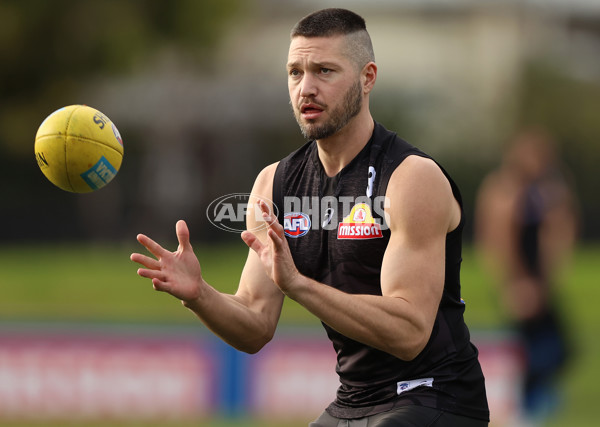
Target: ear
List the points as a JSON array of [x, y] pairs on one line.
[[368, 76]]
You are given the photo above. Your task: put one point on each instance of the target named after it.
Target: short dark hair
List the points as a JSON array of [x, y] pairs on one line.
[[339, 22], [329, 22]]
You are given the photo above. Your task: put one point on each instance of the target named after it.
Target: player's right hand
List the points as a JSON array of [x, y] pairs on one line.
[[177, 273]]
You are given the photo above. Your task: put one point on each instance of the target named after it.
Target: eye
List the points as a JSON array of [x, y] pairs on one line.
[[294, 72], [325, 70]]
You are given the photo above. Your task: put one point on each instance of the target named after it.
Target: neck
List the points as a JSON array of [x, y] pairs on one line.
[[338, 150]]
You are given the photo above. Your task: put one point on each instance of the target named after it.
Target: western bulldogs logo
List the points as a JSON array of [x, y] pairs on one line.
[[296, 224]]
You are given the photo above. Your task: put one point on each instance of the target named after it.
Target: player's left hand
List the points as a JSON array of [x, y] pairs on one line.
[[275, 254]]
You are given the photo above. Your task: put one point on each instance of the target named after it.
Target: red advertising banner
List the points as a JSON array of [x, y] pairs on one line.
[[293, 379], [72, 377], [150, 374], [501, 359]]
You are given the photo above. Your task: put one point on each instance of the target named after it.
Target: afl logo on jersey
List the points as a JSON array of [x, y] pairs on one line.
[[296, 224]]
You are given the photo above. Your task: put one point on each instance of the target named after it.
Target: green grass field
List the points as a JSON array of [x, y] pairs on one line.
[[88, 283]]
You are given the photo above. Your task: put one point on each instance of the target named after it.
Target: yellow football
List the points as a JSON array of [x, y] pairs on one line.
[[78, 149]]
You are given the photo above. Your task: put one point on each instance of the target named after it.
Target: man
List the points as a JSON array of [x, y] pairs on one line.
[[526, 229], [379, 266]]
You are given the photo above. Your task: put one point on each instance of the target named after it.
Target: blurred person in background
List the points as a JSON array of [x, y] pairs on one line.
[[526, 226]]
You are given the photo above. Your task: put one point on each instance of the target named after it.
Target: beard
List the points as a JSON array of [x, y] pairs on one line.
[[339, 117]]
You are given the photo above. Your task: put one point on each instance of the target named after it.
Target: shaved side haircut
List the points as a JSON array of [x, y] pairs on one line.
[[339, 22]]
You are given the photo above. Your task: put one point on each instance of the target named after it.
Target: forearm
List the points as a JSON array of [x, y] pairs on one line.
[[229, 317], [390, 324]]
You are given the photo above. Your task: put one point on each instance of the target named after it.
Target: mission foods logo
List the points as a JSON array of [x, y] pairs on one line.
[[229, 212], [360, 224]]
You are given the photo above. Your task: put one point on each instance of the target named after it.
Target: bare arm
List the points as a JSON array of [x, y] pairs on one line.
[[246, 320], [495, 227], [422, 211]]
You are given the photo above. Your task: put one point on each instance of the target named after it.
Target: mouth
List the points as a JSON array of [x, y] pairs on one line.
[[311, 111]]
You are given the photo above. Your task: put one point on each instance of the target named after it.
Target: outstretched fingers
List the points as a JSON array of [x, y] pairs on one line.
[[177, 273], [275, 230], [146, 261], [154, 248], [153, 267], [183, 235], [252, 241], [275, 238]]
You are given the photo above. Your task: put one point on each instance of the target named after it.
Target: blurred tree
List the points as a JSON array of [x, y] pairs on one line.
[[49, 50]]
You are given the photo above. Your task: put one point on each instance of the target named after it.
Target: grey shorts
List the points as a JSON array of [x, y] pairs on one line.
[[404, 416]]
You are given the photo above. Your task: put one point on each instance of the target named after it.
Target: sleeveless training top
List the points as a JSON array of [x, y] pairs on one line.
[[336, 230]]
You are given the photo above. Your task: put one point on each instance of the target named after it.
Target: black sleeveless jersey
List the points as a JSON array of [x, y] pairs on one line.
[[336, 230]]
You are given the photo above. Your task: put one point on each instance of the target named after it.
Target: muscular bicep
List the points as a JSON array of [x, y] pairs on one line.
[[422, 210]]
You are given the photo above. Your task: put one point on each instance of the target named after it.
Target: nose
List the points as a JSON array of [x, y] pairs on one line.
[[308, 87]]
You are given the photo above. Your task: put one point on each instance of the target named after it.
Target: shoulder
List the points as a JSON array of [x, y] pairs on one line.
[[498, 188], [417, 173], [420, 194], [263, 184]]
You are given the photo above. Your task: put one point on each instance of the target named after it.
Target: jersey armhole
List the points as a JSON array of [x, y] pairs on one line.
[[278, 190]]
